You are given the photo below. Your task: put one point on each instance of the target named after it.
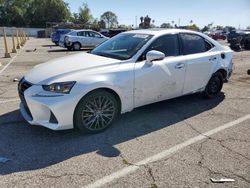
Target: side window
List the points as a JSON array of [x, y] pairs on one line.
[[81, 33], [167, 44], [96, 35], [193, 44], [209, 46]]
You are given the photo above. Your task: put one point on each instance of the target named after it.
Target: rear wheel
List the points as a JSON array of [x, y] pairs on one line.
[[77, 46], [214, 86], [96, 112]]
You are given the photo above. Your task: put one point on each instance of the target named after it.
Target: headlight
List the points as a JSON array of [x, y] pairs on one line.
[[63, 87]]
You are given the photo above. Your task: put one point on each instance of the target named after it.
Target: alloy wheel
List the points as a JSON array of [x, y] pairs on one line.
[[98, 113]]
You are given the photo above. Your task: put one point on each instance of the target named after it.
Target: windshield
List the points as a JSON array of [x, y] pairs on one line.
[[123, 46]]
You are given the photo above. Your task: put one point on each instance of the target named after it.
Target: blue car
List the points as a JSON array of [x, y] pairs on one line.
[[55, 37]]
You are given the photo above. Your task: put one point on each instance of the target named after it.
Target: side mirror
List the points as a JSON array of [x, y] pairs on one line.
[[154, 55]]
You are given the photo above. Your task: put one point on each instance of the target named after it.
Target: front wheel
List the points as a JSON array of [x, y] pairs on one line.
[[214, 86], [96, 112]]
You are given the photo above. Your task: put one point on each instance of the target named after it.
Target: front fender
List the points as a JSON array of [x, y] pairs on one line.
[[126, 97]]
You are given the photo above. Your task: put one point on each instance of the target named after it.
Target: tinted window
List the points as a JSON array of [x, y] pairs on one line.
[[209, 46], [81, 33], [193, 44], [93, 34], [167, 44]]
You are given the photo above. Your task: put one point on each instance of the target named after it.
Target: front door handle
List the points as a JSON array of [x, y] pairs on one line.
[[180, 66]]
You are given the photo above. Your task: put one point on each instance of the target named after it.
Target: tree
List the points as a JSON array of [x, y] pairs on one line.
[[34, 13], [205, 28], [166, 25], [219, 27], [40, 12], [14, 12], [172, 22], [145, 22], [102, 24], [84, 16], [193, 27], [110, 19]]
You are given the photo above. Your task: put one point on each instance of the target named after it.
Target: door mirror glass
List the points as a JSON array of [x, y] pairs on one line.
[[154, 55]]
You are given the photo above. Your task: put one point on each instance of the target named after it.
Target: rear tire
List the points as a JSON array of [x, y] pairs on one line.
[[214, 86], [77, 46], [96, 112]]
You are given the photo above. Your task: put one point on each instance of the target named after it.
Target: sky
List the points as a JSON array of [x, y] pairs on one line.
[[221, 12]]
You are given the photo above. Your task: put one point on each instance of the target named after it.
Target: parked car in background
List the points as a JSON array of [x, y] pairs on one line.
[[236, 34], [218, 36], [132, 69], [112, 32], [105, 33], [55, 36], [82, 39]]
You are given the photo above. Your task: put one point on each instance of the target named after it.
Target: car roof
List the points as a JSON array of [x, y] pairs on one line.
[[83, 30], [160, 31]]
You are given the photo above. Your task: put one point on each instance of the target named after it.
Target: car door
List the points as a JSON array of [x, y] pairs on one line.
[[162, 79], [200, 60], [95, 38], [83, 38]]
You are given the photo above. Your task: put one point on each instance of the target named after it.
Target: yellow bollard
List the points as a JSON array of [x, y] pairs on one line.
[[21, 40], [18, 40], [13, 43], [7, 54], [24, 38]]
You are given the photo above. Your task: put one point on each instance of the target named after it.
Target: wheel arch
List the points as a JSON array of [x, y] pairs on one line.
[[76, 42], [223, 72], [111, 91]]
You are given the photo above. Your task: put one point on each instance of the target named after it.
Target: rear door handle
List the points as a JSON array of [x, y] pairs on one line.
[[180, 66]]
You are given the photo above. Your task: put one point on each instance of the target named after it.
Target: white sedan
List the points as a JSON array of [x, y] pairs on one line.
[[89, 90], [78, 39]]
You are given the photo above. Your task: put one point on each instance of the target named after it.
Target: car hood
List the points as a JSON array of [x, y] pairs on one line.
[[58, 68]]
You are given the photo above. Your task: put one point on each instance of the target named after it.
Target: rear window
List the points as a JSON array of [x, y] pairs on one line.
[[193, 44]]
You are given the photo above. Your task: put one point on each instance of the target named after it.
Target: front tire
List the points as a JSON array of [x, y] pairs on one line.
[[214, 86], [96, 112]]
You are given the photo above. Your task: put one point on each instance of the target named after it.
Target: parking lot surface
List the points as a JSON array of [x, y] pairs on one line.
[[182, 142]]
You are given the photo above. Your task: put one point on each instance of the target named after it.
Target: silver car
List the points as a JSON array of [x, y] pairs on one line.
[[78, 39]]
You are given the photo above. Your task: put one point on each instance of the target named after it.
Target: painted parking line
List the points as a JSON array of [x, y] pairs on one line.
[[12, 59], [125, 171], [8, 101]]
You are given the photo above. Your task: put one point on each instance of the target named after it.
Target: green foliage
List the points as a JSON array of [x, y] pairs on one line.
[[110, 19], [145, 22], [84, 16], [13, 12], [193, 27], [34, 13]]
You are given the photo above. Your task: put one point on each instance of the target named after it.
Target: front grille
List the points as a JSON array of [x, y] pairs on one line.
[[23, 85]]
